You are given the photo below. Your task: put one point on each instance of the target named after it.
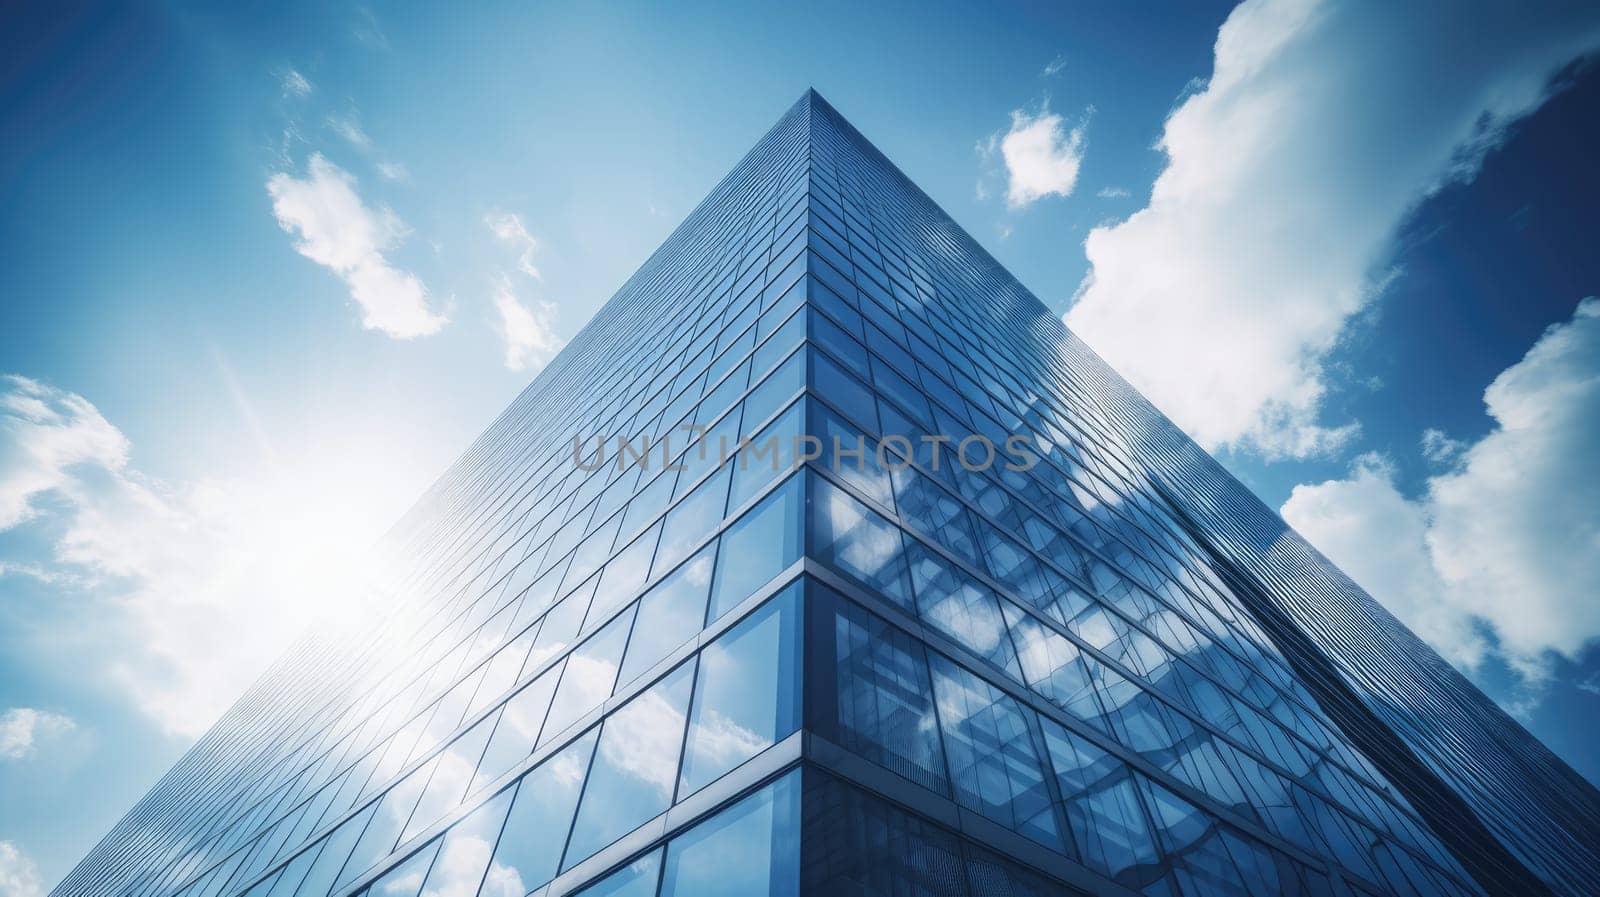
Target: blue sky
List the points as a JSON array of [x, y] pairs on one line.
[[268, 269]]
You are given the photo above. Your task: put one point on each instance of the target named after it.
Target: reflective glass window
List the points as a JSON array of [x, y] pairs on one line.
[[637, 879], [766, 456], [589, 675], [993, 753], [635, 766], [669, 614], [751, 849], [541, 815], [1107, 824], [695, 518], [465, 851], [881, 706], [856, 541], [747, 692], [405, 880], [757, 547]]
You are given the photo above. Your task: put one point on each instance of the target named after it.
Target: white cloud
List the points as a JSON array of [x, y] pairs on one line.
[[529, 332], [1054, 67], [295, 84], [509, 229], [393, 171], [21, 728], [1508, 540], [1287, 177], [44, 436], [339, 231], [1113, 193], [19, 877], [191, 589], [1041, 156], [1439, 448], [349, 127]]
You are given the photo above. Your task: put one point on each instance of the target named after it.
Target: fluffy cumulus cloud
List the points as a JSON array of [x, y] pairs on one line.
[[19, 877], [527, 330], [1041, 154], [1506, 542], [192, 588], [1323, 124], [22, 728], [337, 230]]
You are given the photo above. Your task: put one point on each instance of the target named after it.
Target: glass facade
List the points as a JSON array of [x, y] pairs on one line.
[[826, 561]]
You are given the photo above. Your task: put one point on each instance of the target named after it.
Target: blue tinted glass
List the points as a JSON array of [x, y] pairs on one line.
[[883, 708], [766, 456], [623, 576], [517, 729], [1107, 824], [464, 855], [635, 766], [994, 762], [559, 629], [589, 675], [650, 501], [961, 608], [856, 541], [787, 337], [695, 518], [757, 547], [844, 391], [747, 695], [336, 848], [405, 880], [751, 849], [452, 773], [850, 454], [294, 873], [383, 831], [669, 614], [706, 450], [637, 879], [767, 398], [541, 814]]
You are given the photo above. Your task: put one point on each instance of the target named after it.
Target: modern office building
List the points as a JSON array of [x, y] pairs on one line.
[[890, 588]]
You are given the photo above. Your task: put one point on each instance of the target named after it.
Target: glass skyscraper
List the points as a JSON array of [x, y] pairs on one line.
[[826, 561]]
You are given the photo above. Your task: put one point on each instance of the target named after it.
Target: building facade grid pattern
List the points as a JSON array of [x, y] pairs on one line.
[[1112, 672]]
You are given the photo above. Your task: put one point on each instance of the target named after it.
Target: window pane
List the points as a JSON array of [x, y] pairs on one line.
[[384, 831], [856, 541], [623, 575], [747, 692], [541, 814], [405, 879], [748, 850], [635, 766], [559, 628], [695, 518], [670, 614], [319, 881], [590, 674], [464, 855], [452, 773], [518, 728], [757, 547], [959, 607], [637, 879], [1108, 826], [994, 764], [766, 456], [884, 698]]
